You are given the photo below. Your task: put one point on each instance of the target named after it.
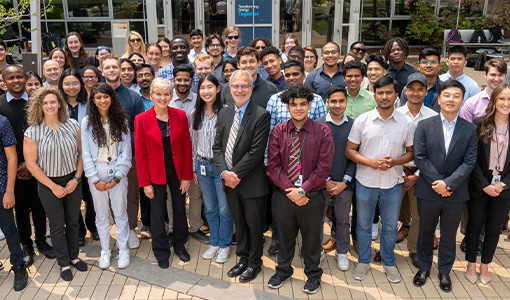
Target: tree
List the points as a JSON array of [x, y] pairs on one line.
[[10, 15]]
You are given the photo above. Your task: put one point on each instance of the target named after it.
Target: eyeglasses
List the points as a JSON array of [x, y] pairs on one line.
[[432, 62], [244, 87], [74, 84], [103, 48], [357, 49], [260, 47], [181, 80], [137, 40], [143, 75], [330, 52], [233, 37], [229, 70], [89, 77], [309, 57], [214, 45]]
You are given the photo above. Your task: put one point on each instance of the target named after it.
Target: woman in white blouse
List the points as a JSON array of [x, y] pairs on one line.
[[203, 131], [52, 151], [106, 162]]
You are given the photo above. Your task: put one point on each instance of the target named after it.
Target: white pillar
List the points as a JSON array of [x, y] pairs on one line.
[[152, 21], [354, 16], [35, 22]]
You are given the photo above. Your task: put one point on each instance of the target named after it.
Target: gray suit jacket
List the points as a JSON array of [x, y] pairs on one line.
[[249, 148], [430, 157]]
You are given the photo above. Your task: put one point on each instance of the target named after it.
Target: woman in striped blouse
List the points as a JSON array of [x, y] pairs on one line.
[[52, 151], [203, 131]]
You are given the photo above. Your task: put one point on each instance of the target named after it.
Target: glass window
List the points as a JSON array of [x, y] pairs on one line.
[[494, 7], [90, 8], [377, 9], [183, 17], [93, 33], [471, 8], [128, 9], [405, 7], [322, 23], [56, 13], [215, 12], [370, 32], [290, 20], [139, 27]]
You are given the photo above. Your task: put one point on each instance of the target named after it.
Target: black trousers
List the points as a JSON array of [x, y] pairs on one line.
[[145, 209], [160, 245], [90, 213], [248, 218], [292, 219], [63, 216], [490, 211], [430, 212], [28, 201]]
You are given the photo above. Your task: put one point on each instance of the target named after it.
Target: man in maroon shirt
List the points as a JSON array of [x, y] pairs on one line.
[[300, 154]]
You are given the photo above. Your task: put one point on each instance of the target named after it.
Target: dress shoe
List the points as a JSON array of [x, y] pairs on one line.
[[45, 249], [200, 236], [463, 246], [184, 255], [402, 234], [236, 270], [81, 241], [249, 274], [479, 248], [377, 257], [163, 263], [421, 277], [485, 279], [80, 265], [95, 236], [445, 283], [471, 278], [436, 243], [414, 259], [66, 275], [355, 246], [274, 247], [330, 244], [28, 255]]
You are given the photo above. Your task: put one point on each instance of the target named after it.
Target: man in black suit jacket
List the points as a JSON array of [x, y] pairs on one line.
[[445, 162], [12, 105], [239, 146]]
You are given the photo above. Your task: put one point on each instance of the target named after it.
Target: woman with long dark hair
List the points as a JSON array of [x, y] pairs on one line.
[[76, 56], [127, 74], [164, 43], [489, 195], [203, 131], [34, 82], [106, 161]]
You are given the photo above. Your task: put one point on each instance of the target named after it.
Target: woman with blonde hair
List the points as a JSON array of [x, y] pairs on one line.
[[134, 43], [232, 37], [153, 54], [52, 151]]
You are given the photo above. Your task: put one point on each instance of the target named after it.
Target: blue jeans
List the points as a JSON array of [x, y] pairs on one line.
[[10, 231], [217, 212], [389, 204]]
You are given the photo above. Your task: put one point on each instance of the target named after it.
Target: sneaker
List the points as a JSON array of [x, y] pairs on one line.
[[275, 282], [391, 273], [28, 255], [145, 232], [2, 235], [343, 262], [133, 241], [20, 277], [200, 236], [124, 260], [211, 252], [375, 231], [274, 247], [223, 255], [312, 286], [360, 272], [104, 261]]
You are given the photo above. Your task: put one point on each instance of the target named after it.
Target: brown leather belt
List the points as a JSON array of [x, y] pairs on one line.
[[206, 159], [309, 194]]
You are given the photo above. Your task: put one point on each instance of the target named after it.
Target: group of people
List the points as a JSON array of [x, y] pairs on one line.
[[257, 138]]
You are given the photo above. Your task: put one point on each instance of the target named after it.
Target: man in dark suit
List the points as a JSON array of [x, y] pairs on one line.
[[445, 161], [239, 146], [13, 106]]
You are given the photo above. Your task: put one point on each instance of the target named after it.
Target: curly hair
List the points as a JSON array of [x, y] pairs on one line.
[[35, 114], [488, 122], [116, 116], [295, 92]]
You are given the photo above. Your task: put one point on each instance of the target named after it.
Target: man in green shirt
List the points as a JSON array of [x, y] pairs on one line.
[[359, 100]]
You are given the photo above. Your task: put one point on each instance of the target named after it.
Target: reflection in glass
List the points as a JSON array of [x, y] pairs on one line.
[[291, 15], [89, 8], [377, 8], [215, 12], [370, 30], [57, 12], [183, 20], [322, 23], [472, 8], [128, 9], [93, 33]]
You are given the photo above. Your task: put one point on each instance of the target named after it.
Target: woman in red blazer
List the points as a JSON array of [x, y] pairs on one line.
[[163, 157]]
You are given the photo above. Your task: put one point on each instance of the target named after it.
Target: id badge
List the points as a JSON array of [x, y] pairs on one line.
[[496, 179], [202, 170], [299, 182], [111, 171]]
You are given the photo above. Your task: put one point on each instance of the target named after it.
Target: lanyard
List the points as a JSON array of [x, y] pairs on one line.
[[498, 168]]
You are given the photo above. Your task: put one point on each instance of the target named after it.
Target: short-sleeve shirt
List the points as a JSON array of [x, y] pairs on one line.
[[376, 138], [8, 139], [57, 150]]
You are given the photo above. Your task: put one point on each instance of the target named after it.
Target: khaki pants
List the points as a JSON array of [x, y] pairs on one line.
[[409, 215]]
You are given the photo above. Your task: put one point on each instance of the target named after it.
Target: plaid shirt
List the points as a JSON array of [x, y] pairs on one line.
[[280, 114], [167, 72]]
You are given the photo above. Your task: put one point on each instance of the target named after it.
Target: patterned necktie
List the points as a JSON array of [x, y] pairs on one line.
[[232, 138], [294, 160]]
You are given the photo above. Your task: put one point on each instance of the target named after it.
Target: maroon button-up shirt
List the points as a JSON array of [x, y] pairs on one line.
[[316, 156]]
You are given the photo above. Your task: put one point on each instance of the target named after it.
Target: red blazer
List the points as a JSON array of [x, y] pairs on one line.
[[149, 153]]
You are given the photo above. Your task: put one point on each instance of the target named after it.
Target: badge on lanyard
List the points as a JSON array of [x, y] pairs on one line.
[[111, 172], [299, 182], [202, 170], [496, 179]]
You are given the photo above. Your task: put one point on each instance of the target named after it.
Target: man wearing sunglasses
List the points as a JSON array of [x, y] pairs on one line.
[[359, 48]]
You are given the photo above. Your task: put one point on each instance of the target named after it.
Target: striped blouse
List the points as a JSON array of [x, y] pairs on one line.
[[202, 139], [57, 150]]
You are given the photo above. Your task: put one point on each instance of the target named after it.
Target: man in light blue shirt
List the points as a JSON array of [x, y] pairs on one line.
[[456, 62]]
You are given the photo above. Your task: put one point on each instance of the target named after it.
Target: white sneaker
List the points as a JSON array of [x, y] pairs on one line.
[[343, 262], [375, 231], [124, 260], [223, 254], [133, 241], [2, 236], [104, 261], [211, 252]]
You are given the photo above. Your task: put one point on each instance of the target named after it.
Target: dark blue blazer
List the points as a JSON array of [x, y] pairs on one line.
[[430, 157]]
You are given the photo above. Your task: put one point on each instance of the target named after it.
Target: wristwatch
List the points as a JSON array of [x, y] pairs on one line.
[[77, 179], [448, 188], [301, 192], [116, 179]]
